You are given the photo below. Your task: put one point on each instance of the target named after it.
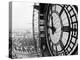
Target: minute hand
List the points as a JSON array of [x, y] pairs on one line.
[[52, 25]]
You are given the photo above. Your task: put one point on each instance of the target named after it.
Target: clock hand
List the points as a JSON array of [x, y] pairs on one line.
[[53, 28], [52, 21]]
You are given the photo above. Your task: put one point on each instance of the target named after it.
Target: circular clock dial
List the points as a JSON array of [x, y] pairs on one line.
[[62, 29]]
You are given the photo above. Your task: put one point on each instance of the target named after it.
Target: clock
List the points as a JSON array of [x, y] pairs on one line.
[[62, 29]]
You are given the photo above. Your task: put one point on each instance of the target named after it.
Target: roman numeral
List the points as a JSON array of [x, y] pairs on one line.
[[66, 29], [61, 44], [61, 11]]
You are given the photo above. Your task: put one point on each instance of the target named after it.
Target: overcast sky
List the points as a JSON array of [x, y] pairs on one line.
[[22, 13]]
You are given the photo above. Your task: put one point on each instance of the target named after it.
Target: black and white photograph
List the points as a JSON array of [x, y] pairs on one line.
[[42, 29]]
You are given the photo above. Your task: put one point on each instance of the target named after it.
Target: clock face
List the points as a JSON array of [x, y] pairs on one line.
[[62, 29]]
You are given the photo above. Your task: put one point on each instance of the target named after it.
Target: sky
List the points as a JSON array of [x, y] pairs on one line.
[[22, 14]]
